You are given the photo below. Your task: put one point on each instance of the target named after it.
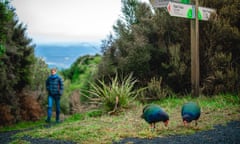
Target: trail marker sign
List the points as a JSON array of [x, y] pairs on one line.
[[183, 9], [159, 3], [164, 3], [205, 13], [188, 11], [180, 10]]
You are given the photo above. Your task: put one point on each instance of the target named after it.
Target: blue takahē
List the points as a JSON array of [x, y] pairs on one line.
[[153, 113], [190, 111]]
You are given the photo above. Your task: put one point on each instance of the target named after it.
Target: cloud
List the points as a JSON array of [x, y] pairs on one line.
[[76, 20]]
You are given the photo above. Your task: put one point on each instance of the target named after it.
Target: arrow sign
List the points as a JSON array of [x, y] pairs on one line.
[[159, 3], [180, 10], [188, 11], [205, 13], [164, 3]]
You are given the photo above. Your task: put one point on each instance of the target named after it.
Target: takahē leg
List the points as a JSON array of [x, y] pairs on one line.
[[153, 126], [196, 123]]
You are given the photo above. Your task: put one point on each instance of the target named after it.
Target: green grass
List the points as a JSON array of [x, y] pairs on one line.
[[22, 125], [85, 128]]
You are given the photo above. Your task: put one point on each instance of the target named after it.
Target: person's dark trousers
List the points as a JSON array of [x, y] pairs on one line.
[[56, 99]]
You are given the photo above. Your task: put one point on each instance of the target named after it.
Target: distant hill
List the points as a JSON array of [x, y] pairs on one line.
[[63, 55]]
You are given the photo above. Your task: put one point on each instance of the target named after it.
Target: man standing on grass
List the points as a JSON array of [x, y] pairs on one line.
[[54, 85]]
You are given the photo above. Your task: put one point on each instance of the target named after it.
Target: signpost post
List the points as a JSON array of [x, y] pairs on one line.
[[195, 53], [183, 9]]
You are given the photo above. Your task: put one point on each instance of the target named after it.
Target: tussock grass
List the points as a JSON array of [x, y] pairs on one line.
[[107, 128]]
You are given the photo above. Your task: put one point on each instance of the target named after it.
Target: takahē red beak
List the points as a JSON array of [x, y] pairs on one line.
[[166, 123], [184, 122]]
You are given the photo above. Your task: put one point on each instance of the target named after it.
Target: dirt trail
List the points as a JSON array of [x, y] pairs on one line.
[[229, 134]]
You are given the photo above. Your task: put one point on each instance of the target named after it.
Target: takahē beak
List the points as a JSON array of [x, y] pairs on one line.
[[166, 123], [185, 123]]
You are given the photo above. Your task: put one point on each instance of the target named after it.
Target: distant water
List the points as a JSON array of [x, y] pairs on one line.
[[63, 56]]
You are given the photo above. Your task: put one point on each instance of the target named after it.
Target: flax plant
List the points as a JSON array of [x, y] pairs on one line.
[[116, 94]]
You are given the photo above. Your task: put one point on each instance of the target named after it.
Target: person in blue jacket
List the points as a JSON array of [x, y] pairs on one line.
[[54, 85]]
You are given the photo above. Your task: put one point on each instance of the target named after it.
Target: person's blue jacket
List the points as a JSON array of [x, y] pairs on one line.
[[54, 85]]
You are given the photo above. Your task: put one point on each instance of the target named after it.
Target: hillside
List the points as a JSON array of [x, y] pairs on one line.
[[90, 127]]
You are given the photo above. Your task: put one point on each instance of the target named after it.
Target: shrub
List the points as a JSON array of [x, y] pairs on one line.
[[155, 90], [30, 109], [117, 94], [6, 116]]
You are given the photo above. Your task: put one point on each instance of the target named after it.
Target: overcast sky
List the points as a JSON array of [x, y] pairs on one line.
[[51, 21]]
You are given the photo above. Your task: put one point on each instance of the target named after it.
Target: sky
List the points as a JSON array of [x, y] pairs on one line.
[[68, 21]]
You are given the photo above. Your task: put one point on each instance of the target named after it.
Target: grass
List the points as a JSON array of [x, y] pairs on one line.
[[84, 128], [22, 125]]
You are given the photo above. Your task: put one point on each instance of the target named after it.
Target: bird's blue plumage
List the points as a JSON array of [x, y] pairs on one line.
[[153, 113], [190, 111]]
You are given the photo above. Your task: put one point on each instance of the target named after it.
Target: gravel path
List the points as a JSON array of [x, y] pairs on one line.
[[6, 137], [229, 134]]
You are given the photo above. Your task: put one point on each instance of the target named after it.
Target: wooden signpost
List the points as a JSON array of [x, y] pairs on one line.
[[183, 8]]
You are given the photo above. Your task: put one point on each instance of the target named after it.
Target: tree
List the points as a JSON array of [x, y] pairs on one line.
[[220, 48], [153, 44], [16, 61]]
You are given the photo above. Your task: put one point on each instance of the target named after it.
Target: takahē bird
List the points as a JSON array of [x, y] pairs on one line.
[[190, 111], [153, 113]]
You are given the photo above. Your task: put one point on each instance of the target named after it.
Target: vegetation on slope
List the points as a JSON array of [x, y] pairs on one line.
[[91, 128]]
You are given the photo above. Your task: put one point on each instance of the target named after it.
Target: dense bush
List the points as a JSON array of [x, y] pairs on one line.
[[150, 43], [17, 73], [155, 90]]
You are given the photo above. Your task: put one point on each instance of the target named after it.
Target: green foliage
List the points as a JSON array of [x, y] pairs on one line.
[[142, 47], [80, 128], [129, 11], [221, 79], [116, 94], [153, 44], [21, 125], [220, 52], [2, 50], [80, 67], [77, 77], [6, 16], [82, 71], [40, 72], [155, 90], [18, 57], [124, 55], [17, 73], [64, 103], [94, 113], [82, 116]]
